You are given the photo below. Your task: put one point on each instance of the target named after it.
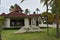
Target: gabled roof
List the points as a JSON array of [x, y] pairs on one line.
[[3, 14], [16, 14]]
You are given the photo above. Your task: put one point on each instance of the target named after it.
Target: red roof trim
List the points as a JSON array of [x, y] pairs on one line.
[[17, 14], [3, 14]]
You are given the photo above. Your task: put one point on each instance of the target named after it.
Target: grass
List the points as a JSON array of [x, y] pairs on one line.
[[9, 35]]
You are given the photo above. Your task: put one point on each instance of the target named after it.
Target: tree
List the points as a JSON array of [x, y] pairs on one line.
[[46, 3], [53, 7], [56, 10], [57, 16], [16, 8], [50, 17], [11, 8], [27, 11], [16, 5], [1, 24], [34, 12], [37, 10]]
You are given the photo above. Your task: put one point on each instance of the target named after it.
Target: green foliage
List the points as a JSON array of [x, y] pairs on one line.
[[1, 24], [14, 7], [27, 11], [1, 20], [37, 10], [11, 6], [34, 12], [56, 8], [44, 1], [57, 5], [50, 17]]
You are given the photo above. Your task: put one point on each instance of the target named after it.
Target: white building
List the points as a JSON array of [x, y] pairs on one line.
[[18, 19]]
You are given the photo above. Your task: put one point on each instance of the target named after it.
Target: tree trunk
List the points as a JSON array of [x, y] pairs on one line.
[[0, 36], [47, 18], [57, 17], [57, 23]]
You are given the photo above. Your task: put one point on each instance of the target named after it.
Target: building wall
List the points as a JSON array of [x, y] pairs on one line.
[[7, 22], [26, 22]]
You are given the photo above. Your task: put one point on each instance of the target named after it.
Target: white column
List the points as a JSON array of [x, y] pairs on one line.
[[26, 22], [33, 22], [41, 21], [8, 22]]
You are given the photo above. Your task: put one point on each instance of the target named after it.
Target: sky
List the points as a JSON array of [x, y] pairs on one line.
[[30, 4]]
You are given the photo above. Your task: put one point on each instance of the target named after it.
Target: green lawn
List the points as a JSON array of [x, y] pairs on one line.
[[9, 35]]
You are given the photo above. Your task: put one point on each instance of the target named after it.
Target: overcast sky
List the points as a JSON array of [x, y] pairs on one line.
[[30, 4]]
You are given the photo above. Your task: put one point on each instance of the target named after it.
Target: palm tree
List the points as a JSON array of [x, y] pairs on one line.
[[34, 12], [15, 5], [27, 11], [56, 7], [37, 10], [11, 8], [46, 3]]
